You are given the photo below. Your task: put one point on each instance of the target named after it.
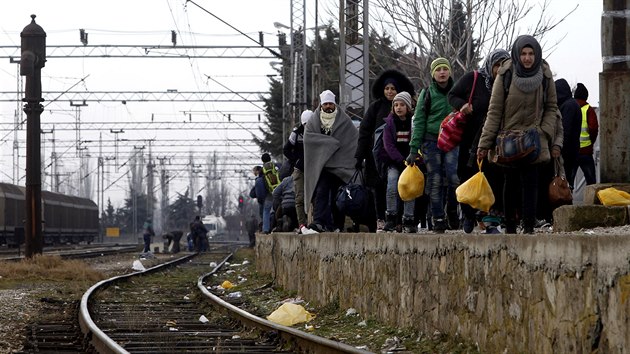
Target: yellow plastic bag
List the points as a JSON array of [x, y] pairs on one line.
[[476, 192], [227, 284], [410, 183], [613, 197], [289, 314]]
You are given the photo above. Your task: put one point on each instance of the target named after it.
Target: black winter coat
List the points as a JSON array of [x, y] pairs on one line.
[[457, 97], [571, 121], [375, 117]]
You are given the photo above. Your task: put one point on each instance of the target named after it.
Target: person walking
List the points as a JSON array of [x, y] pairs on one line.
[[294, 151], [441, 166], [147, 234], [571, 124], [476, 113], [384, 89], [396, 144], [527, 99], [330, 141], [589, 130]]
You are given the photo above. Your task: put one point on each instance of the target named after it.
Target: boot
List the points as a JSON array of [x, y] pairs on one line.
[[439, 225], [409, 226], [528, 226], [390, 223]]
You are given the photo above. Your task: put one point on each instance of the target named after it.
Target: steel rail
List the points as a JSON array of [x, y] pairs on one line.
[[306, 340], [97, 338]]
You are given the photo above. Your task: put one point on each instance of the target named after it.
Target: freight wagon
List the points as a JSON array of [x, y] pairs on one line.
[[65, 219]]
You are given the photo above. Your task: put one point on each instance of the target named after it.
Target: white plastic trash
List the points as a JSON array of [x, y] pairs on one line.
[[137, 266], [203, 319]]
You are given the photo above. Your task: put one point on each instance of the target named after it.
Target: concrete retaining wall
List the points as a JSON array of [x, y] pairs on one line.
[[532, 294]]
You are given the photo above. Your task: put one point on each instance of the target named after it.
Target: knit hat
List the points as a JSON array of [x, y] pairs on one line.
[[405, 97], [306, 115], [440, 63], [581, 93], [265, 157], [327, 97]]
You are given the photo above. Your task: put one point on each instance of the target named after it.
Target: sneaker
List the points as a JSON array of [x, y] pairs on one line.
[[317, 228], [439, 226], [306, 231], [469, 225], [301, 229], [493, 230], [380, 225]]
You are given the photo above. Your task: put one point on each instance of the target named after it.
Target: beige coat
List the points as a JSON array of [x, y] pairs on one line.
[[518, 112]]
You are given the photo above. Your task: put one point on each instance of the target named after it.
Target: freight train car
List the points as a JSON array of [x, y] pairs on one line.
[[65, 219]]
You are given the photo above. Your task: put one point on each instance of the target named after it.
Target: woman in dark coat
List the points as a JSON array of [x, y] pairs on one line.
[[387, 85], [476, 116]]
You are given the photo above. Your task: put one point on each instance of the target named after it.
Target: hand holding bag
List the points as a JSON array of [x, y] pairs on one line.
[[476, 191], [410, 183], [452, 127], [559, 190]]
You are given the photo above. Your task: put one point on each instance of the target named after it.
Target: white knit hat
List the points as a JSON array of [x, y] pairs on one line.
[[306, 115], [327, 97]]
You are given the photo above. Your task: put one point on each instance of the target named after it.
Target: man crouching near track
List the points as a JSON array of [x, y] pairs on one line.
[[330, 140]]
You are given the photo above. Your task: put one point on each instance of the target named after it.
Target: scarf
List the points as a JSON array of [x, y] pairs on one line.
[[327, 119], [494, 57], [520, 43], [530, 83]]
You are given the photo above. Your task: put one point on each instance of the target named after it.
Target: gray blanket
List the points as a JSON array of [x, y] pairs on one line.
[[334, 152]]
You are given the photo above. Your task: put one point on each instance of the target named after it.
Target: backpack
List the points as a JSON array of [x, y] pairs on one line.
[[378, 151], [272, 177]]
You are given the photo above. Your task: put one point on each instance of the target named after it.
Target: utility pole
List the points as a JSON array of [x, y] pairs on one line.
[[33, 46], [614, 85], [354, 54]]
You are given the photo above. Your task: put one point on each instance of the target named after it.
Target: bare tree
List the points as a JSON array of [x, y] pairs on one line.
[[433, 27]]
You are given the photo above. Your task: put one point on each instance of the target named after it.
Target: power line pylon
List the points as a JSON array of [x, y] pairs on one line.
[[354, 57]]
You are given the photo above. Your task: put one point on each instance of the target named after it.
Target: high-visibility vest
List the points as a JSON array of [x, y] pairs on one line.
[[585, 138]]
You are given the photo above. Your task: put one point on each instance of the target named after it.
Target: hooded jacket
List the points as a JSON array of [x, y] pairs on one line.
[[375, 117], [571, 120]]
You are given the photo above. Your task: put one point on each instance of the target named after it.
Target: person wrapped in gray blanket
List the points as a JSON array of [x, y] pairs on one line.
[[330, 141]]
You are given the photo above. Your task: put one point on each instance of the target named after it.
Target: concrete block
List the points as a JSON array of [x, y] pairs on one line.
[[590, 192], [575, 217]]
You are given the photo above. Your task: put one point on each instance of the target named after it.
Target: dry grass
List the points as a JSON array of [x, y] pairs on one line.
[[48, 268]]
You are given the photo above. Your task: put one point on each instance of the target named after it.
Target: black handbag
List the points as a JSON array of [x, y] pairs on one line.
[[353, 197]]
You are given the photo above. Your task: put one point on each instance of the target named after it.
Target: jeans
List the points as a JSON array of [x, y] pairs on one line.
[[587, 164], [298, 188], [325, 212], [393, 198], [267, 214], [441, 169]]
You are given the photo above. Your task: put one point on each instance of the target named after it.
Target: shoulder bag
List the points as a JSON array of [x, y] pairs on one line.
[[452, 127]]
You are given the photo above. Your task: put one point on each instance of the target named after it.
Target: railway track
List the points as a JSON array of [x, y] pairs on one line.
[[168, 309], [74, 252]]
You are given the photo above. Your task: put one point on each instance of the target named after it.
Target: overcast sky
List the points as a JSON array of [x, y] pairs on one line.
[[149, 22]]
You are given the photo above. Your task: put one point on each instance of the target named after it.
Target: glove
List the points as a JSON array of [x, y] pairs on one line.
[[412, 158], [359, 164]]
